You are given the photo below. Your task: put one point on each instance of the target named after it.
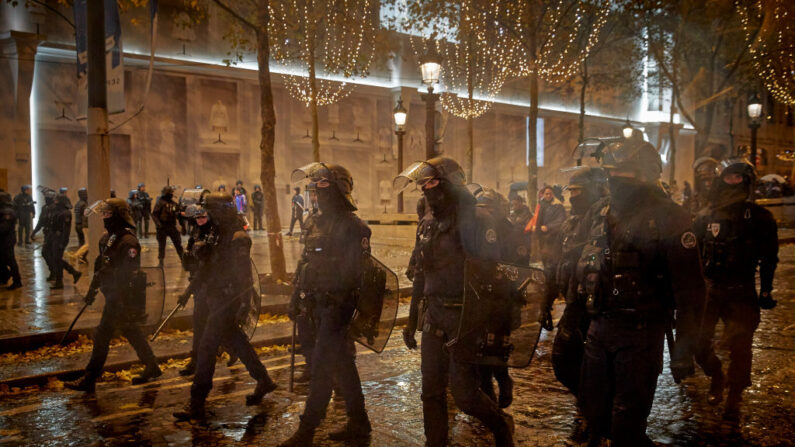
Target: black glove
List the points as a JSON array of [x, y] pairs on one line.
[[90, 296], [766, 301], [681, 370], [408, 338], [545, 318], [183, 298]]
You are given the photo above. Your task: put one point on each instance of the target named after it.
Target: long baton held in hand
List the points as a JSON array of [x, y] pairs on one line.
[[71, 326], [292, 358], [163, 324]]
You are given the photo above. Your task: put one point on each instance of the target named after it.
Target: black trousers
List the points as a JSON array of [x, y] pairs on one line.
[[81, 236], [171, 232], [9, 261], [24, 225], [57, 265], [145, 227], [114, 316], [299, 217], [257, 220]]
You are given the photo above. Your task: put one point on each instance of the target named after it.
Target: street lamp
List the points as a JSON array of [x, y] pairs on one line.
[[431, 67], [400, 121], [754, 120], [627, 130]]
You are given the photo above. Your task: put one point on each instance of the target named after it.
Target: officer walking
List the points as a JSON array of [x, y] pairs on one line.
[[640, 262], [81, 222], [225, 278], [297, 213], [8, 261], [145, 203], [117, 274], [165, 215], [25, 209], [60, 222], [587, 185], [453, 231], [45, 224], [327, 278], [736, 236]]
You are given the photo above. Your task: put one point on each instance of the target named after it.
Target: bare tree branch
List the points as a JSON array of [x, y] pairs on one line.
[[237, 16]]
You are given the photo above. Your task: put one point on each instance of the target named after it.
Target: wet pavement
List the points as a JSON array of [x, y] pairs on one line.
[[36, 309]]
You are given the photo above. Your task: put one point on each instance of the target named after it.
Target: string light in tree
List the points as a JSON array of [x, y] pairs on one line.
[[325, 38], [773, 50]]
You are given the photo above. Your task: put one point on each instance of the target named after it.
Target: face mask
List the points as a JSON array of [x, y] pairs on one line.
[[579, 204], [108, 223]]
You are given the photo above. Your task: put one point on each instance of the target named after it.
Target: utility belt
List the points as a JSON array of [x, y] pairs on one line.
[[453, 301], [324, 298], [633, 318]]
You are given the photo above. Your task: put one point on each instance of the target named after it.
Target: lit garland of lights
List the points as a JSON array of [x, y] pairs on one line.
[[473, 63], [326, 36], [772, 52], [559, 53]]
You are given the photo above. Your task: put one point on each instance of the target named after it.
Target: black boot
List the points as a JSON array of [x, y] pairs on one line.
[[356, 431], [76, 277], [716, 389], [506, 392], [58, 285], [504, 437], [194, 411], [86, 385], [232, 360], [264, 387], [732, 411], [301, 438], [151, 372], [190, 368], [14, 286]]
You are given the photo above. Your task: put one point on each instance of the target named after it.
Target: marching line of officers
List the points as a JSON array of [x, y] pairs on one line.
[[632, 266]]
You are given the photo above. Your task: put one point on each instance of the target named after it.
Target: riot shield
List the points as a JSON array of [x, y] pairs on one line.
[[148, 298], [249, 324], [376, 306], [499, 318]]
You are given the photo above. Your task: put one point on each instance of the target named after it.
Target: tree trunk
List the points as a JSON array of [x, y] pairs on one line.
[[266, 146], [532, 165], [582, 99], [672, 143], [470, 158], [313, 99]]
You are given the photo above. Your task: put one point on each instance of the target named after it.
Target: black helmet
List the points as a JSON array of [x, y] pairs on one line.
[[221, 208], [5, 200], [82, 193], [436, 168], [336, 174], [63, 200], [586, 177], [634, 156], [706, 167], [132, 193], [118, 209], [490, 199], [739, 166], [28, 187], [168, 189]]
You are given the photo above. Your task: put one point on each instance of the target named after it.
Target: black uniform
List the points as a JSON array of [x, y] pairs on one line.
[[300, 311], [81, 222], [26, 210], [446, 240], [258, 206], [165, 215], [45, 224], [639, 263], [734, 240], [117, 274], [56, 240], [8, 261], [145, 204]]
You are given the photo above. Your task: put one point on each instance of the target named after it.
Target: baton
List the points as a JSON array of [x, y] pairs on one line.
[[163, 324], [292, 358], [71, 326], [669, 337]]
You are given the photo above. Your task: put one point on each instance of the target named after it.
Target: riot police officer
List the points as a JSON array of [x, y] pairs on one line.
[[60, 222], [81, 222], [8, 261], [736, 235], [165, 215], [640, 261], [705, 173], [26, 211], [145, 202], [327, 278], [225, 278], [513, 248], [44, 224], [454, 230], [117, 274]]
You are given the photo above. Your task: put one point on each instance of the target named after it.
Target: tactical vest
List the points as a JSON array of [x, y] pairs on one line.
[[624, 273], [323, 250], [441, 257], [728, 250]]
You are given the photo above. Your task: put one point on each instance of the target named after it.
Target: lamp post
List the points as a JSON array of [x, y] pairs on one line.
[[400, 121], [430, 66], [627, 130], [754, 120]]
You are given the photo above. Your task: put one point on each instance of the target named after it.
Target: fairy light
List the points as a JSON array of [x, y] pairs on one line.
[[330, 37], [772, 52]]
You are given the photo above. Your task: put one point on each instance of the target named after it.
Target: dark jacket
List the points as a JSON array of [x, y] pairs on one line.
[[258, 202]]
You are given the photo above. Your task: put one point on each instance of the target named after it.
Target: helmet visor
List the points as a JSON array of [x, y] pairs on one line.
[[418, 173], [192, 196], [100, 208], [195, 210], [314, 172]]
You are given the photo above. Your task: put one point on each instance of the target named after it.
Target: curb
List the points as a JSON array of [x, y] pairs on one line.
[[74, 374]]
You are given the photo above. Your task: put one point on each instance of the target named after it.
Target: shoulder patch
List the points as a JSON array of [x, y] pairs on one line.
[[133, 252], [491, 235], [688, 240], [365, 243]]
